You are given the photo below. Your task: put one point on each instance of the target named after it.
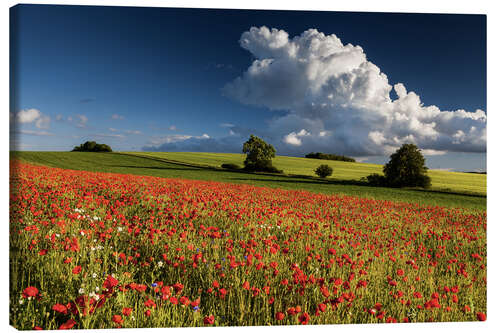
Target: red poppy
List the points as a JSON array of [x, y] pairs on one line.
[[149, 303], [280, 316], [77, 270], [208, 320], [117, 319], [304, 318], [178, 287], [110, 282], [60, 308], [68, 324], [195, 302], [30, 292], [481, 316], [127, 311]]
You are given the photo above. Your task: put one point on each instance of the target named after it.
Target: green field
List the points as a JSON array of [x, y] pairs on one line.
[[154, 164], [458, 182]]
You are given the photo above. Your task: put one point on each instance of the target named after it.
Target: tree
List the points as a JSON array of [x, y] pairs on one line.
[[324, 170], [407, 168], [259, 155]]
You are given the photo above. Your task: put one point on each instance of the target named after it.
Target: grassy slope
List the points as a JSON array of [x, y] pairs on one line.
[[441, 180], [119, 163]]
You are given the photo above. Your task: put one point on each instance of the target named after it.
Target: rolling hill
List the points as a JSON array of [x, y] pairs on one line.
[[457, 182], [204, 166]]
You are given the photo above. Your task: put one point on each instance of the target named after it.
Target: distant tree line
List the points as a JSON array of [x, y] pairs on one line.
[[93, 147], [332, 157]]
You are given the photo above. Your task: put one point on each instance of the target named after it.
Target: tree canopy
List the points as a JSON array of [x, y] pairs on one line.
[[259, 155], [92, 146], [406, 167]]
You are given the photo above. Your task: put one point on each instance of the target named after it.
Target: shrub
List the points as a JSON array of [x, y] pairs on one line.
[[230, 166], [407, 168], [271, 169], [324, 170], [376, 180], [259, 155]]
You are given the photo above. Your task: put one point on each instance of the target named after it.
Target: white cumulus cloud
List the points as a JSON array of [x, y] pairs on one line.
[[29, 116], [173, 138], [82, 121], [338, 101], [294, 139]]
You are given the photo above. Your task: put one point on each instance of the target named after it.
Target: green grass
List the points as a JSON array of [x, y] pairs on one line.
[[152, 165], [457, 182]]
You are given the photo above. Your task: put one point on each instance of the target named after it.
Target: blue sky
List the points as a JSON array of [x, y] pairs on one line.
[[167, 79]]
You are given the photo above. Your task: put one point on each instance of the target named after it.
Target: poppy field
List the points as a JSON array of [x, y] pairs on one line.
[[103, 250]]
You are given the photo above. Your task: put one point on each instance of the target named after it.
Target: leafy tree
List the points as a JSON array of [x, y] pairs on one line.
[[324, 170], [259, 155], [407, 168], [92, 146]]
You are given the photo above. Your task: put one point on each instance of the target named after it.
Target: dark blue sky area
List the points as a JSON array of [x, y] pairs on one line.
[[163, 67]]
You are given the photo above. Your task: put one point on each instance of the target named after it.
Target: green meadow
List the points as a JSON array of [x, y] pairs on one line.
[[458, 182], [450, 189]]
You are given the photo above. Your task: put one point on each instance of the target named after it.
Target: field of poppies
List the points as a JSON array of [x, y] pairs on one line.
[[102, 250]]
